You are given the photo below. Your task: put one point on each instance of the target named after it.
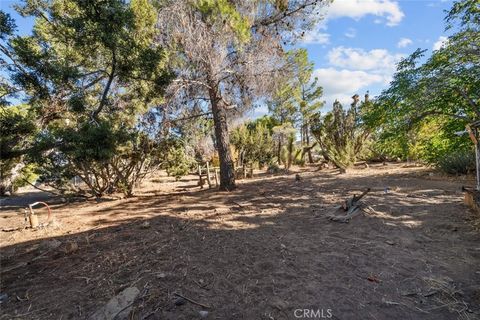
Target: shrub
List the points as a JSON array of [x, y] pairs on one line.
[[340, 134], [273, 168], [177, 162], [461, 162]]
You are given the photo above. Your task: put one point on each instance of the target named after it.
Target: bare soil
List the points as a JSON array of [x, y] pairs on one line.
[[263, 251]]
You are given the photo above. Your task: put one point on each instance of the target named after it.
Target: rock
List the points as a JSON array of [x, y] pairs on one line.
[[180, 301], [3, 297], [145, 225], [278, 303], [118, 307], [50, 244], [71, 247], [203, 314], [390, 242]]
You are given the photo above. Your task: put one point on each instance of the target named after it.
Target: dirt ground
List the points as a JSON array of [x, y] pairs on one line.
[[263, 251]]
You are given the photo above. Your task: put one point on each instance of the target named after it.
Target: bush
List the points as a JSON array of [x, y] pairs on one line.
[[27, 175], [341, 134], [273, 168], [108, 158], [461, 162], [177, 161]]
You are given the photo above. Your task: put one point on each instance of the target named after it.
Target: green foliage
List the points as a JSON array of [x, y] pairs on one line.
[[462, 162], [223, 11], [253, 142], [89, 71], [17, 131], [298, 97], [177, 162], [7, 25], [283, 107], [88, 57], [284, 138], [108, 158], [341, 134], [426, 103], [273, 168], [27, 175], [266, 121], [296, 101]]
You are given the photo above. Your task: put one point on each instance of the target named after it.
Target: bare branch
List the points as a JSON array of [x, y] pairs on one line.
[[111, 76]]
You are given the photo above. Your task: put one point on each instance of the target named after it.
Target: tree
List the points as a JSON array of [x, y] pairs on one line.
[[444, 90], [7, 29], [284, 135], [228, 55], [309, 99], [89, 70], [17, 131], [341, 134], [298, 99], [253, 142]]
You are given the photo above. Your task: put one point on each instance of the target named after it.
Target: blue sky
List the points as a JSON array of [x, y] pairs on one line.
[[356, 46]]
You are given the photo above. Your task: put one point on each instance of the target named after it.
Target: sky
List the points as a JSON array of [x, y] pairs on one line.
[[356, 46]]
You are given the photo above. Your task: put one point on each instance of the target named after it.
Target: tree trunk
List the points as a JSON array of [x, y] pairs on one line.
[[307, 137], [477, 163], [279, 152], [227, 174], [290, 152]]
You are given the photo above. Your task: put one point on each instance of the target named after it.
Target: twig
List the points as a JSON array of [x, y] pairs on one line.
[[22, 315], [192, 301], [239, 205], [23, 264], [41, 189], [125, 308], [443, 305], [12, 229]]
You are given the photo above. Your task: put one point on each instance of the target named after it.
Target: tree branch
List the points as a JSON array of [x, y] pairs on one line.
[[190, 117], [470, 102], [282, 15], [111, 76], [193, 82], [432, 112]]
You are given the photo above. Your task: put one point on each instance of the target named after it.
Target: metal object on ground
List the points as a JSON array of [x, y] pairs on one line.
[[32, 217], [33, 220]]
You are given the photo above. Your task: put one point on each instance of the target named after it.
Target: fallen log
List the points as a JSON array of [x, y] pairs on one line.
[[362, 163], [351, 206]]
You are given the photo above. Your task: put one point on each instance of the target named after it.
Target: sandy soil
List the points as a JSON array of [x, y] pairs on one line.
[[264, 251]]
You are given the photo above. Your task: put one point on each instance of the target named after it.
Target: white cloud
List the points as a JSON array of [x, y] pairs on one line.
[[355, 70], [316, 36], [404, 42], [356, 9], [351, 33], [440, 43], [344, 99], [344, 82], [380, 61]]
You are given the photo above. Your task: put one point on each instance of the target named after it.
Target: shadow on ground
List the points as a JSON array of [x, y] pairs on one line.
[[261, 252]]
